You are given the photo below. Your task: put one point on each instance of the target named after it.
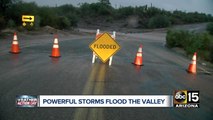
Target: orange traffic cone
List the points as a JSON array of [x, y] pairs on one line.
[[15, 46], [192, 65], [139, 57], [55, 49]]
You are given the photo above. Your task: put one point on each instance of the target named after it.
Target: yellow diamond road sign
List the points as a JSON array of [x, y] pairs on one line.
[[105, 47]]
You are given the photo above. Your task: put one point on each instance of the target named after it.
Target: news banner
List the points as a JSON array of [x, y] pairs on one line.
[[180, 99]]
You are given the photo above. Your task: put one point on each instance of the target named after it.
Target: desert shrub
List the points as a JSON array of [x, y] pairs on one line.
[[95, 9], [210, 28], [11, 23], [178, 38], [73, 18], [104, 9], [48, 16], [109, 19], [211, 53], [2, 22], [159, 21], [63, 23], [124, 12], [171, 39], [191, 42], [20, 28]]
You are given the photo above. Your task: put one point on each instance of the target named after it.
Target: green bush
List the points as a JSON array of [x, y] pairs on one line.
[[153, 11], [48, 16], [211, 53], [206, 41], [73, 18], [124, 12], [2, 22], [191, 45], [191, 42], [63, 22], [109, 19], [20, 28], [178, 38], [171, 39], [104, 9], [95, 9], [159, 21], [210, 28], [205, 55], [11, 23]]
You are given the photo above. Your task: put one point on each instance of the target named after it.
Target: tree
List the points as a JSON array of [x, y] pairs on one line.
[[4, 4], [106, 2], [15, 11]]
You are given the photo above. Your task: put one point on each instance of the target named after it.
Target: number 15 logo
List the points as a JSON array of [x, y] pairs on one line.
[[193, 97]]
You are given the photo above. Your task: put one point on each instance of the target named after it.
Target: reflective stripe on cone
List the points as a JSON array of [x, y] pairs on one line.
[[55, 49], [139, 57], [192, 66]]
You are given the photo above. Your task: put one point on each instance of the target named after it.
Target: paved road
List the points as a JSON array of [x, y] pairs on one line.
[[33, 72]]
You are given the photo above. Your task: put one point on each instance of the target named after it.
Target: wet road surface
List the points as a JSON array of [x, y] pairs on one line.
[[33, 72]]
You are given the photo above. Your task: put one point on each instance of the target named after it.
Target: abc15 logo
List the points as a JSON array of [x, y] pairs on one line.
[[184, 97]]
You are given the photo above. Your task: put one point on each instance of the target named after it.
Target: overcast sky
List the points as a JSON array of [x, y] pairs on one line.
[[205, 6]]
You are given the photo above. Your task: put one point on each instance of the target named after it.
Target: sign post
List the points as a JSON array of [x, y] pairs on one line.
[[110, 60]]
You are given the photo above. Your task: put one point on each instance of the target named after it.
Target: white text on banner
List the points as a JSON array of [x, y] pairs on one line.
[[105, 101]]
